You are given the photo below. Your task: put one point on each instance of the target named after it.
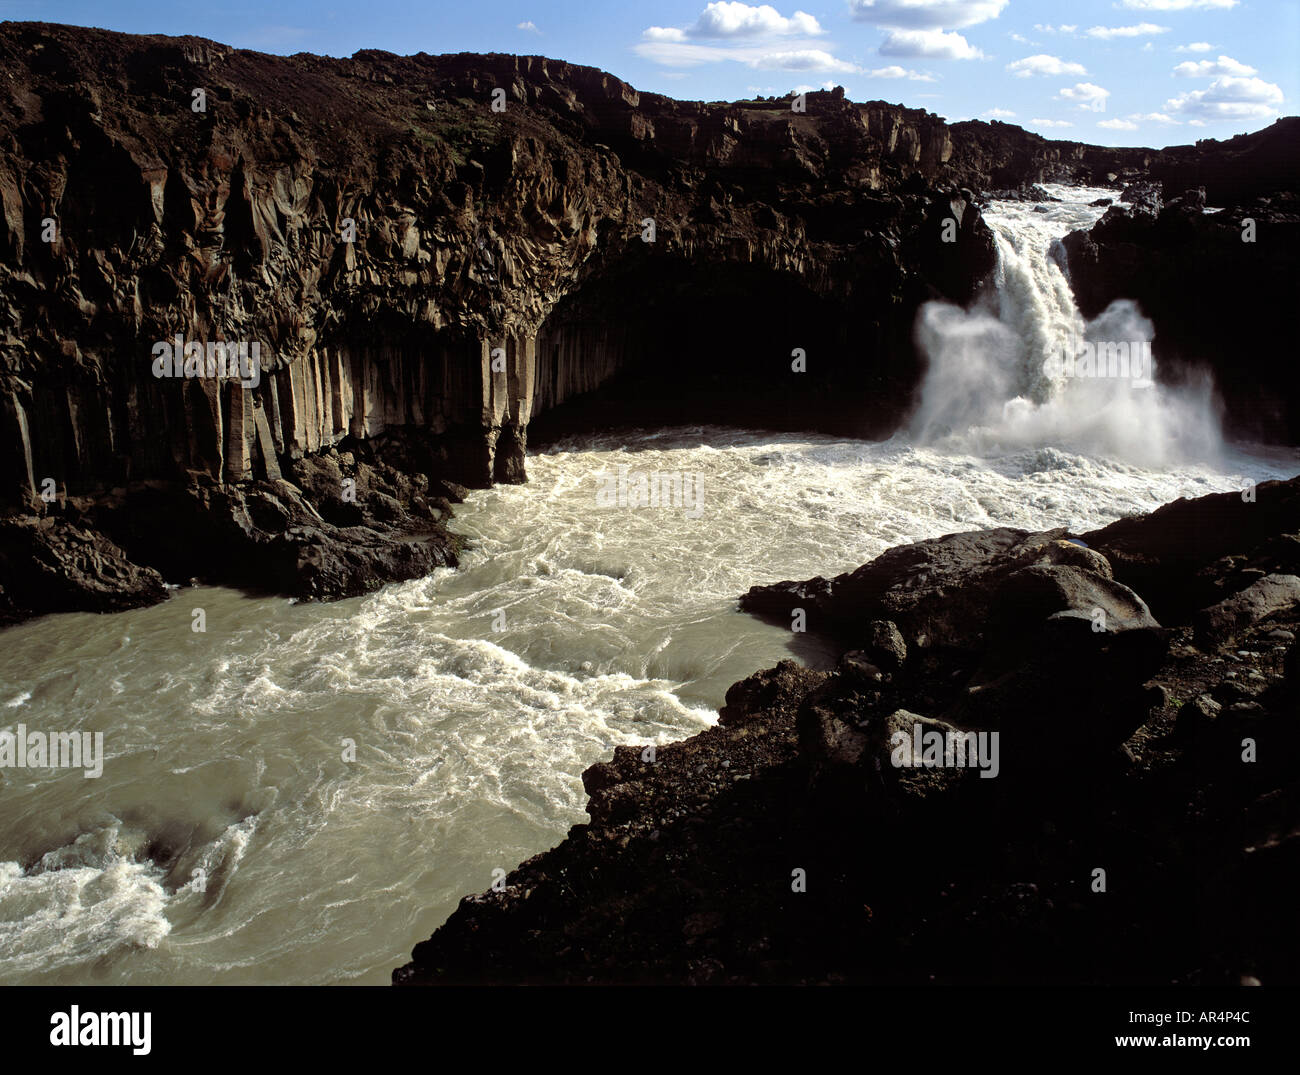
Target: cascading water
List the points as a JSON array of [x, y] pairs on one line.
[[1019, 374], [234, 838]]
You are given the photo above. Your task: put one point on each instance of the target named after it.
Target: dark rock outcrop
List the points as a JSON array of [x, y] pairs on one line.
[[52, 565], [407, 268], [409, 258], [1220, 288], [1269, 597]]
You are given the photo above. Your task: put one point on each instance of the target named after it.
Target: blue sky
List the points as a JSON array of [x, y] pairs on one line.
[[1111, 72]]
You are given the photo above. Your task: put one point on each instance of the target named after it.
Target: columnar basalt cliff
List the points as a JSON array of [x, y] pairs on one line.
[[420, 274]]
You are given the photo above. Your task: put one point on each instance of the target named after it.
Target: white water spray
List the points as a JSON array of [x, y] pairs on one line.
[[1007, 378]]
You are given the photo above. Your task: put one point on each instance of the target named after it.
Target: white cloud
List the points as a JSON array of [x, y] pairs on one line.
[[1052, 122], [1142, 29], [1195, 46], [1087, 94], [725, 21], [1224, 65], [801, 60], [926, 14], [1154, 117], [664, 33], [530, 26], [894, 71], [929, 44], [1117, 124], [1049, 29], [730, 19], [999, 113], [1177, 5], [759, 36], [687, 54], [1229, 98], [1043, 64]]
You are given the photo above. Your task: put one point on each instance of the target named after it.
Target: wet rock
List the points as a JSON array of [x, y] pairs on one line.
[[1266, 597], [885, 645], [822, 862], [52, 565]]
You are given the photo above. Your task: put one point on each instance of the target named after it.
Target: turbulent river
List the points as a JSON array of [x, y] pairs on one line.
[[235, 836]]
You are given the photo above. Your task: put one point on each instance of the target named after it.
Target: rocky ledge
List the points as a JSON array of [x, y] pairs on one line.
[[1135, 820], [339, 525]]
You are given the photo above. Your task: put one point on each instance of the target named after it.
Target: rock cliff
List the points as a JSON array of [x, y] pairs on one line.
[[413, 258], [1220, 286]]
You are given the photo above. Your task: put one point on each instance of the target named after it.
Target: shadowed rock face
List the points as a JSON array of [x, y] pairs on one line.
[[1220, 287], [515, 233], [415, 275]]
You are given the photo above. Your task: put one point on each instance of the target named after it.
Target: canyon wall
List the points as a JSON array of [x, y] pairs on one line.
[[427, 252], [158, 187]]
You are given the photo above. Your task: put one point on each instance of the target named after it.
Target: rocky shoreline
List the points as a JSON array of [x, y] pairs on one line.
[[785, 846]]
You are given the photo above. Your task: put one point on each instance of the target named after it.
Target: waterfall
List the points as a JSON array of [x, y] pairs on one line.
[[1023, 369]]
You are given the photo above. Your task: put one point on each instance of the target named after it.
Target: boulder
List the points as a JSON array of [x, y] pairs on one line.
[[1267, 597], [1144, 196], [935, 592], [885, 645], [892, 739]]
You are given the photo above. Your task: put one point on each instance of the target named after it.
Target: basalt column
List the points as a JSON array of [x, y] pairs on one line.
[[498, 375], [520, 377]]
